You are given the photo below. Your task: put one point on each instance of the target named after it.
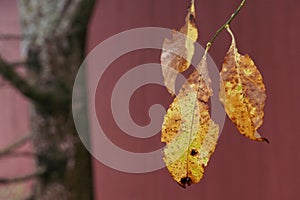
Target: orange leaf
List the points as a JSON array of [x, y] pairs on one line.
[[188, 131], [178, 52], [245, 95]]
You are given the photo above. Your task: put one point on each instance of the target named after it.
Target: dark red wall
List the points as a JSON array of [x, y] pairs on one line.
[[239, 169]]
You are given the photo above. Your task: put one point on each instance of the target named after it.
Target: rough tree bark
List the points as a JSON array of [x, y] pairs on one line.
[[54, 33]]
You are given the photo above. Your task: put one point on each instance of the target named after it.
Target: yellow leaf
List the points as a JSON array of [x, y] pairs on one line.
[[188, 131], [178, 52], [245, 92]]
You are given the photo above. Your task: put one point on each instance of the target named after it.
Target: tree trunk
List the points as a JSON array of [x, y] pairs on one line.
[[55, 32]]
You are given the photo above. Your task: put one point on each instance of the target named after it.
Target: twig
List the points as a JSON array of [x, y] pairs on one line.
[[20, 154], [16, 145], [16, 64], [11, 36], [208, 45], [19, 179], [7, 71], [42, 98]]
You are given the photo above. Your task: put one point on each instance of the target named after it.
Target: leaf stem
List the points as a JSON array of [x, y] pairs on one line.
[[208, 45], [17, 144]]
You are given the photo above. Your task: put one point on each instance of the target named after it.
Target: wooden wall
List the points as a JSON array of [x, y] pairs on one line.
[[239, 169]]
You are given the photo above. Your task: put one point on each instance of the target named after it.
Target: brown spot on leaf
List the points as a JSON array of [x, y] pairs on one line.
[[192, 19], [186, 181], [194, 152], [245, 94]]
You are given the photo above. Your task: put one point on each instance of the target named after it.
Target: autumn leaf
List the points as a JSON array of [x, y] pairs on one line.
[[178, 52], [188, 131], [245, 94]]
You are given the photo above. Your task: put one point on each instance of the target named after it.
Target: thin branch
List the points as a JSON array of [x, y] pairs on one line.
[[16, 145], [20, 154], [17, 64], [208, 45], [6, 70], [19, 179], [11, 36], [47, 99]]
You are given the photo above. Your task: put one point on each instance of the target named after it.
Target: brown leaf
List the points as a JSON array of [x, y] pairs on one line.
[[178, 52], [245, 94], [188, 131]]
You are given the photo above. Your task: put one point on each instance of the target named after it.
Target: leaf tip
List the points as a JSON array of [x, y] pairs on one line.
[[185, 181], [265, 140], [261, 139]]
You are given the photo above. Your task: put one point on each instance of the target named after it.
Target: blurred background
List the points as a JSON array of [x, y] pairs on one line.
[[239, 169]]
